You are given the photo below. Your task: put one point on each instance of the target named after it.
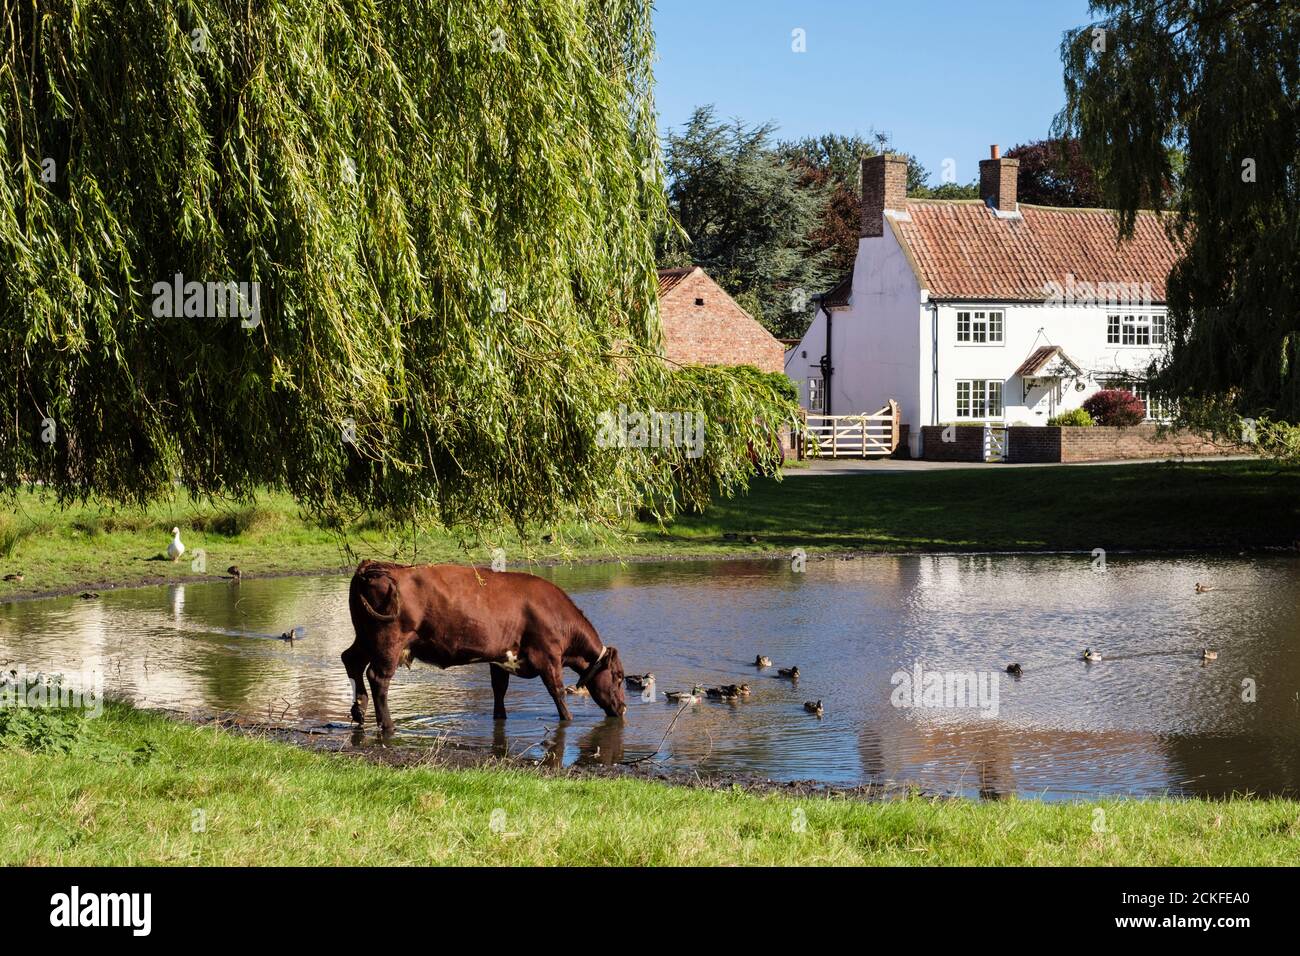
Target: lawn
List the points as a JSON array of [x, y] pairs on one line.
[[1224, 504], [134, 788]]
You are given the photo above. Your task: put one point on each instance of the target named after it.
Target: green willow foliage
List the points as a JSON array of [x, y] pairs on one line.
[[448, 210], [1217, 84]]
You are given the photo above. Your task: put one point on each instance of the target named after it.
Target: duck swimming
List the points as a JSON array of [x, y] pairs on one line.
[[1202, 588], [761, 661], [814, 707], [1090, 655], [1209, 655], [691, 696], [639, 681], [791, 672], [1015, 669], [569, 689]]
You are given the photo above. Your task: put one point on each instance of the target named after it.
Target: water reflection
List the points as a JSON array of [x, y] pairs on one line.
[[1148, 719]]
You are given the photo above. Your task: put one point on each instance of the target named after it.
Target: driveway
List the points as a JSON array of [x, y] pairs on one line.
[[889, 466]]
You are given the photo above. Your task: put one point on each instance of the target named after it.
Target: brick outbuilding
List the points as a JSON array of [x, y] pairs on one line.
[[704, 326]]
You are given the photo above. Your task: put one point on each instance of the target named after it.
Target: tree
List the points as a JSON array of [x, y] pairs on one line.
[[1213, 87], [834, 162], [749, 219], [1053, 173], [414, 251]]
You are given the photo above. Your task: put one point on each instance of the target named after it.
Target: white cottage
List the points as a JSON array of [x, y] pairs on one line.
[[983, 310]]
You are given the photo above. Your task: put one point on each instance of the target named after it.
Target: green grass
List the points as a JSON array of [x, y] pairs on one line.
[[136, 786], [1148, 506]]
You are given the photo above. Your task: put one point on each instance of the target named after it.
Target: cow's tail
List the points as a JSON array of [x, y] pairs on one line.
[[367, 575]]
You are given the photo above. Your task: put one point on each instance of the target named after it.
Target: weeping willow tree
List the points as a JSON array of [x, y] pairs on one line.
[[1197, 104], [385, 254]]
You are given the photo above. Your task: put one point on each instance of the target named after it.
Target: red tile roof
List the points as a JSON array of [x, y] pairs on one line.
[[961, 250], [668, 278], [1039, 359]]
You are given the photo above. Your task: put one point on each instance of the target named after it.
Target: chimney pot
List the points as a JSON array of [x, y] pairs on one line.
[[993, 151], [884, 186]]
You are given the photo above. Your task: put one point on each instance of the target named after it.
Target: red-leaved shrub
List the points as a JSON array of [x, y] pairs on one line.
[[1116, 406]]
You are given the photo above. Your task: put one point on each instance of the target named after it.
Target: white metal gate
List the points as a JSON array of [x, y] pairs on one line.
[[995, 442]]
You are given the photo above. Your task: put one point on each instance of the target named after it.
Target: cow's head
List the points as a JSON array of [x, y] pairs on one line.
[[606, 684]]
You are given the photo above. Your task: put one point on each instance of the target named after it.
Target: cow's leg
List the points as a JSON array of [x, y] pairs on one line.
[[553, 678], [381, 673], [500, 681], [354, 660]]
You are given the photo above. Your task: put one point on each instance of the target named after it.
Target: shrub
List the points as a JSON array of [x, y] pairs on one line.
[[1116, 406], [1078, 417]]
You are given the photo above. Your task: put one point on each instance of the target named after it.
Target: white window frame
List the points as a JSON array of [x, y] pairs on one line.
[[1125, 331], [981, 327], [980, 396], [816, 393]]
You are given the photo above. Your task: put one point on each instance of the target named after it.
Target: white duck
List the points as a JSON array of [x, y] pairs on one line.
[[175, 549]]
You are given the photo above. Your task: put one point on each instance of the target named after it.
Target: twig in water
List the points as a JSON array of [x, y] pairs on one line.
[[655, 752]]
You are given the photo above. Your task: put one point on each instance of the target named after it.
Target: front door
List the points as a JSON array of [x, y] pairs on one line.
[[1042, 395]]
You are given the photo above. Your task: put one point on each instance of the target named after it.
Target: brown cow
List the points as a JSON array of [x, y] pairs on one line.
[[448, 615]]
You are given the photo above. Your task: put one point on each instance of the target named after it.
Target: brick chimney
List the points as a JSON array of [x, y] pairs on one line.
[[998, 181], [884, 186]]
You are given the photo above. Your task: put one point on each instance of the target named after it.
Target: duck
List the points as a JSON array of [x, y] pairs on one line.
[[88, 595], [16, 576], [1015, 669], [234, 572], [725, 692], [640, 681], [292, 634], [175, 549], [814, 707], [1209, 655], [1090, 655], [691, 696], [1202, 588], [580, 691], [762, 661], [791, 672]]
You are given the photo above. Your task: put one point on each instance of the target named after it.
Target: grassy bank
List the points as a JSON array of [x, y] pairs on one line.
[[1151, 506], [133, 788]]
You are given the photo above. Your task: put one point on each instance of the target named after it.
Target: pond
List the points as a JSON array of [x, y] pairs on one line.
[[1149, 718]]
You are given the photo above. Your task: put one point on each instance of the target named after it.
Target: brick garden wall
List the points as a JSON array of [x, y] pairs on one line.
[[1101, 443], [967, 443]]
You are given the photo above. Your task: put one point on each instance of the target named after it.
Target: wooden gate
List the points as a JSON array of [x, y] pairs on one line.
[[851, 436]]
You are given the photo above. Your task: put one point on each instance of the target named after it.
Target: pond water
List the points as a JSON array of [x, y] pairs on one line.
[[1150, 718]]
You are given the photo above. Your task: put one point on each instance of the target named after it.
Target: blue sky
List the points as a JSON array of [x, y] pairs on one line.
[[944, 78]]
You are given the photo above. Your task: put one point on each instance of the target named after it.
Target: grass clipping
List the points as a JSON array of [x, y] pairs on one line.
[[440, 224]]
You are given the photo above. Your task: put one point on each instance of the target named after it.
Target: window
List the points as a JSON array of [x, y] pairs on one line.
[[816, 395], [979, 398], [979, 328], [1135, 329]]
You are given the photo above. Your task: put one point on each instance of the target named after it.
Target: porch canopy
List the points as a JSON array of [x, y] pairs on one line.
[[1048, 361]]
